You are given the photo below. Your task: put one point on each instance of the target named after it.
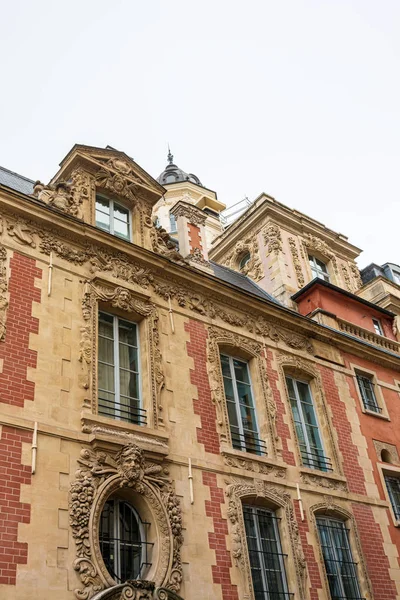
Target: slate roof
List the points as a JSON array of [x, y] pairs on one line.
[[240, 281], [15, 181]]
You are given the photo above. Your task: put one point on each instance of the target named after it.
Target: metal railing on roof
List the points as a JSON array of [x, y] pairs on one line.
[[230, 214]]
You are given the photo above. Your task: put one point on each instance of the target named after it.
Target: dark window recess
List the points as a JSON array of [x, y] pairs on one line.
[[367, 391], [393, 487]]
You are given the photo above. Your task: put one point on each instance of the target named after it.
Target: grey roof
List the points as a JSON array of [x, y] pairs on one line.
[[15, 181], [240, 281], [173, 174]]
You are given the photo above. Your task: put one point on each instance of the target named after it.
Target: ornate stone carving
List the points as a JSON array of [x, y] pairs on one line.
[[22, 232], [98, 476], [154, 443], [194, 215], [253, 267], [196, 256], [123, 299], [335, 510], [315, 244], [289, 361], [346, 277], [296, 262], [253, 466], [390, 448], [356, 276], [217, 337], [272, 238], [3, 292], [117, 184], [235, 492], [59, 195], [324, 482], [162, 244]]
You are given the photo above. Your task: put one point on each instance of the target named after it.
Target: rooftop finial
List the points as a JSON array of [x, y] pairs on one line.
[[170, 156]]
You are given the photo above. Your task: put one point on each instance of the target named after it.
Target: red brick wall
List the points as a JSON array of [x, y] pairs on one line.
[[372, 545], [203, 406], [194, 237], [309, 554], [352, 469], [220, 571], [12, 511], [14, 385], [281, 426]]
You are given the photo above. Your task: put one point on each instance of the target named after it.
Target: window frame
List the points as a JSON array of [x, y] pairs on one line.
[[259, 445], [389, 470], [325, 460], [116, 541], [255, 510], [332, 519], [377, 326], [112, 203], [173, 225], [140, 418], [316, 271]]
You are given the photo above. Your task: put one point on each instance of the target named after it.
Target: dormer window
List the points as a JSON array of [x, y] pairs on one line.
[[318, 268], [377, 326], [113, 217]]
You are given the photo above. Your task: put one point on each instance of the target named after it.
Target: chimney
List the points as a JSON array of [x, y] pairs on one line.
[[190, 222]]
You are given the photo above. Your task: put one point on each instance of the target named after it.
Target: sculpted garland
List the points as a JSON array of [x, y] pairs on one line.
[[120, 266], [99, 476], [3, 291]]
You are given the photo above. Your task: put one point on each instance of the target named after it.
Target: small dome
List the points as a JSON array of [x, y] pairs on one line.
[[173, 174]]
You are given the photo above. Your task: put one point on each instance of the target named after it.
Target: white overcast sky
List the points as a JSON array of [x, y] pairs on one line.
[[296, 98]]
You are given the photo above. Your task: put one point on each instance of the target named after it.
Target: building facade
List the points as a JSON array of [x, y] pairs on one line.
[[186, 411]]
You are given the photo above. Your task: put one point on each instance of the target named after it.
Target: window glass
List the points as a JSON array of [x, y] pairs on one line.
[[112, 217], [393, 487], [366, 387], [118, 370], [244, 260], [240, 405], [318, 268], [306, 424], [377, 326], [340, 567], [265, 553]]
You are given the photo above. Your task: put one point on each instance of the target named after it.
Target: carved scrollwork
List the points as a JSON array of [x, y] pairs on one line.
[[238, 491], [193, 214], [253, 466], [296, 262], [346, 277], [124, 299], [356, 276], [315, 244], [324, 482], [100, 474], [253, 268], [272, 238], [216, 338], [3, 292], [162, 244]]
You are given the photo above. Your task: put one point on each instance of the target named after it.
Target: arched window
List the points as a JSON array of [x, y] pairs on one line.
[[244, 260], [341, 569], [265, 553], [122, 538]]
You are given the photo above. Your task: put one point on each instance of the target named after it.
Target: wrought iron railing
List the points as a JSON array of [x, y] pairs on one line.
[[117, 410], [133, 557], [316, 460], [249, 442]]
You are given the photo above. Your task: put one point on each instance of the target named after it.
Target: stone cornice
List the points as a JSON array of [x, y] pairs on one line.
[[296, 222], [71, 230]]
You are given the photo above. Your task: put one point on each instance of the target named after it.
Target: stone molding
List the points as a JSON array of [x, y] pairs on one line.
[[126, 300], [391, 448], [3, 290], [253, 464], [193, 214], [296, 262], [272, 238], [216, 338], [329, 508], [253, 268], [306, 367], [324, 481], [99, 475], [236, 492]]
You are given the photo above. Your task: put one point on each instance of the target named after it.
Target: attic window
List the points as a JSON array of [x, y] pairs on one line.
[[113, 217]]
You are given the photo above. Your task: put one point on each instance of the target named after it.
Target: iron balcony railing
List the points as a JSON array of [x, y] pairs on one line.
[[134, 557], [316, 460], [117, 410], [248, 442]]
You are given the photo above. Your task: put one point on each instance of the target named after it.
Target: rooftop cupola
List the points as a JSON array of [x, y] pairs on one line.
[[173, 174]]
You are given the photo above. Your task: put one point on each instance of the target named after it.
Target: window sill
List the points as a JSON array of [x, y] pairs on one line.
[[372, 413], [122, 433], [252, 462]]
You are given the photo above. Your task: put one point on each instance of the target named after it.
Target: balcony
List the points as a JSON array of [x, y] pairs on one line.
[[368, 336]]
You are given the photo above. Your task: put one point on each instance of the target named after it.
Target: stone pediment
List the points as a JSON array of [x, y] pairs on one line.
[[114, 171]]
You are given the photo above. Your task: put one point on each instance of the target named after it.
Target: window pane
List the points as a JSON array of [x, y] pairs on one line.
[[128, 383], [244, 393], [241, 371], [128, 357], [122, 214], [121, 229], [127, 332], [232, 413], [226, 371], [228, 386], [289, 383], [106, 378], [393, 486]]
